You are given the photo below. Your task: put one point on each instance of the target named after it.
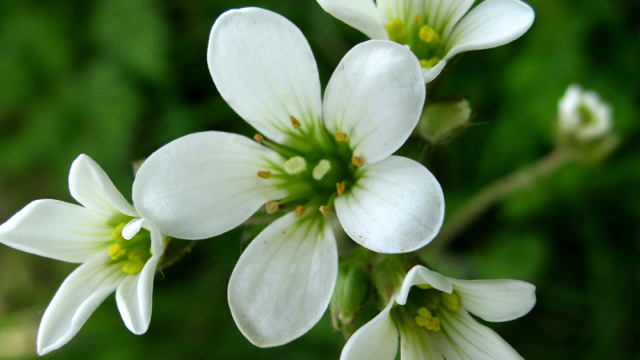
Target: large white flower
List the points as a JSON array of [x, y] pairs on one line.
[[583, 115], [436, 30], [321, 159], [433, 322], [118, 251]]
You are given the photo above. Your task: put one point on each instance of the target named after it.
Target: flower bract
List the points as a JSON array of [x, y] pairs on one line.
[[436, 30], [430, 315], [118, 250], [314, 160]]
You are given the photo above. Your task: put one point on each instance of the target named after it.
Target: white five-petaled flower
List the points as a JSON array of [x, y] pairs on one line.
[[583, 115], [433, 322], [436, 30], [320, 159], [118, 251]]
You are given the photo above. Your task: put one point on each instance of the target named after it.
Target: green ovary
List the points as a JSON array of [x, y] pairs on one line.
[[131, 254], [423, 40]]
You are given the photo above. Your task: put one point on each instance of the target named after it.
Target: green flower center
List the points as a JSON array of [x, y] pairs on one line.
[[422, 39], [423, 306], [313, 175], [131, 254], [586, 116]]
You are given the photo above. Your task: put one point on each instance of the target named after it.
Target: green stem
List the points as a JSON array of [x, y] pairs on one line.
[[494, 192]]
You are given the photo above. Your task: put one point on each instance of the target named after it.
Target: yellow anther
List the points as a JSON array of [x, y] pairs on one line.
[[116, 234], [116, 251], [133, 267], [424, 286], [325, 210], [340, 136], [357, 161], [428, 35], [264, 174], [295, 165], [259, 138], [432, 300], [294, 121], [272, 207], [430, 63], [395, 27], [427, 320], [139, 254], [418, 19], [450, 301], [300, 210], [340, 187]]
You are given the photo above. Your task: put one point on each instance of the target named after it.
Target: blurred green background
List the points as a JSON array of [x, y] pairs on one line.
[[117, 79]]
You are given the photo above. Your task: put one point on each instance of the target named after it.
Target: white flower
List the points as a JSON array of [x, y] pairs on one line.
[[583, 115], [321, 158], [433, 322], [436, 30], [104, 234]]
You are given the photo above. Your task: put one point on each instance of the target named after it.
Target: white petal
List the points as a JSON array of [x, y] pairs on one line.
[[375, 96], [283, 281], [134, 298], [133, 227], [204, 184], [496, 300], [443, 15], [57, 230], [360, 14], [469, 340], [432, 73], [490, 24], [78, 297], [263, 67], [91, 187], [420, 275], [395, 206], [375, 340], [417, 343]]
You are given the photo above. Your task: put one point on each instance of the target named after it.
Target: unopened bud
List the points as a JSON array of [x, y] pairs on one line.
[[582, 117], [351, 292], [444, 120]]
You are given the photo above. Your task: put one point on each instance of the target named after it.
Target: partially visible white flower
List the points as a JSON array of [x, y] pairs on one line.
[[321, 159], [106, 235], [583, 115], [436, 30], [433, 322]]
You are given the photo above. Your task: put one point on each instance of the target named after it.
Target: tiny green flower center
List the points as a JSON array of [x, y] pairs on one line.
[[586, 116], [424, 40], [424, 305], [132, 254]]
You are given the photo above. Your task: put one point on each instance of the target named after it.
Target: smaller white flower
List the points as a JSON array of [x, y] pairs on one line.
[[436, 30], [583, 115], [118, 251], [433, 322]]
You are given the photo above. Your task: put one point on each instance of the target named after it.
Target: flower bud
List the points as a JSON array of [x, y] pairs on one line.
[[351, 292], [444, 120], [582, 117]]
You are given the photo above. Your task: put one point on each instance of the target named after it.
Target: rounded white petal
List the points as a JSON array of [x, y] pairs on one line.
[[283, 281], [495, 300], [360, 14], [430, 74], [490, 24], [263, 67], [420, 275], [91, 187], [204, 184], [134, 298], [78, 297], [417, 343], [466, 339], [375, 340], [395, 206], [375, 96], [57, 230]]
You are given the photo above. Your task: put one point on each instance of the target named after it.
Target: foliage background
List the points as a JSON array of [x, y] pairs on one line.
[[117, 79]]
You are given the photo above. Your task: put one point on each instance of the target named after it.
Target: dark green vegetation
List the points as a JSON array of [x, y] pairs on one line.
[[116, 79]]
